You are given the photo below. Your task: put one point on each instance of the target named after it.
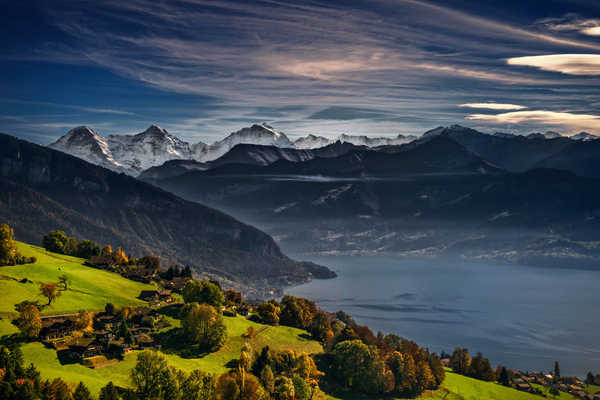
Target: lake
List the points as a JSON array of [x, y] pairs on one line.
[[519, 316]]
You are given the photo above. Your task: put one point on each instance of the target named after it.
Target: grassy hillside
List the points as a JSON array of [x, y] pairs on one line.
[[90, 288], [459, 387], [277, 337]]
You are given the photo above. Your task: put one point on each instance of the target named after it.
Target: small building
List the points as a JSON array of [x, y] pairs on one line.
[[85, 347], [56, 328], [176, 284], [524, 387], [156, 295], [445, 362]]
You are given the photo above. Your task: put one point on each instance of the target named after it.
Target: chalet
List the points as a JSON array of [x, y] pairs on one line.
[[176, 284], [146, 342], [156, 295], [85, 347], [106, 321], [141, 274], [56, 328]]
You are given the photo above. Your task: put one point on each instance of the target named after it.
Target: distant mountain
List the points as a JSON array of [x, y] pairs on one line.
[[581, 157], [437, 156], [311, 142], [44, 189], [376, 141], [173, 168], [124, 153], [584, 136], [261, 134], [513, 153]]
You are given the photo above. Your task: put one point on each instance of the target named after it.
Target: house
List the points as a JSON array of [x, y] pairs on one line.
[[85, 347], [56, 328], [106, 321], [149, 295], [445, 362], [523, 387], [146, 342], [156, 295], [141, 274], [176, 284]]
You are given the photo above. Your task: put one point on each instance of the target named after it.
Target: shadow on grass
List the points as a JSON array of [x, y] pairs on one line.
[[173, 342]]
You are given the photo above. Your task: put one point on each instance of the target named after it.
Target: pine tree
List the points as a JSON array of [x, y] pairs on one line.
[[82, 392]]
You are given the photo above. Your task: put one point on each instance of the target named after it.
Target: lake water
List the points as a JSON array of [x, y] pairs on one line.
[[518, 316]]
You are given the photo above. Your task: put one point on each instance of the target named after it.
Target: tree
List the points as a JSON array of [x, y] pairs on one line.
[[556, 370], [284, 388], [481, 368], [554, 391], [151, 262], [437, 369], [55, 241], [87, 249], [63, 280], [81, 392], [302, 391], [148, 373], [203, 325], [109, 392], [352, 361], [119, 257], [460, 361], [227, 388], [110, 308], [405, 372], [29, 321], [503, 377], [589, 379], [319, 326], [70, 247], [49, 291], [106, 251], [268, 379], [268, 313], [8, 247], [203, 292], [198, 385], [83, 320]]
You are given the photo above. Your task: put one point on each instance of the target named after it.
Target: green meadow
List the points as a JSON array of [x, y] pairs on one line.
[[89, 289]]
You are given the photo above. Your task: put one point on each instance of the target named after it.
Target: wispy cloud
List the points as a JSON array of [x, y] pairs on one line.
[[564, 119], [494, 106], [571, 22], [571, 64]]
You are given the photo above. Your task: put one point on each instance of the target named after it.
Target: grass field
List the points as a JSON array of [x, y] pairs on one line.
[[591, 389], [458, 387], [90, 288], [277, 337]]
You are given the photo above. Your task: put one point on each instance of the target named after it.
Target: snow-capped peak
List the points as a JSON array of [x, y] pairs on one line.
[[85, 143], [311, 142], [584, 136]]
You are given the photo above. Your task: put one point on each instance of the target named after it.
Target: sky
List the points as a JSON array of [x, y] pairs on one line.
[[203, 69]]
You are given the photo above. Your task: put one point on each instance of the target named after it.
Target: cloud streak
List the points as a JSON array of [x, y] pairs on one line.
[[494, 106], [563, 119], [570, 64]]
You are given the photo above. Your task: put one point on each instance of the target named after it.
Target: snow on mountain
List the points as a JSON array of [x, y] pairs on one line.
[[124, 153], [152, 147], [312, 142], [584, 136], [261, 134], [83, 142], [375, 141]]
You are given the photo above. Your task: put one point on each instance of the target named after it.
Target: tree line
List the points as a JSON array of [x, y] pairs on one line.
[[8, 248]]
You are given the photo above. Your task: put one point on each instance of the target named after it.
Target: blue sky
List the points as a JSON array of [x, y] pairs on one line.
[[202, 69]]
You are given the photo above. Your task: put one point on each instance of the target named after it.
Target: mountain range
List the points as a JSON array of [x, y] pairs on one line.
[[42, 189]]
